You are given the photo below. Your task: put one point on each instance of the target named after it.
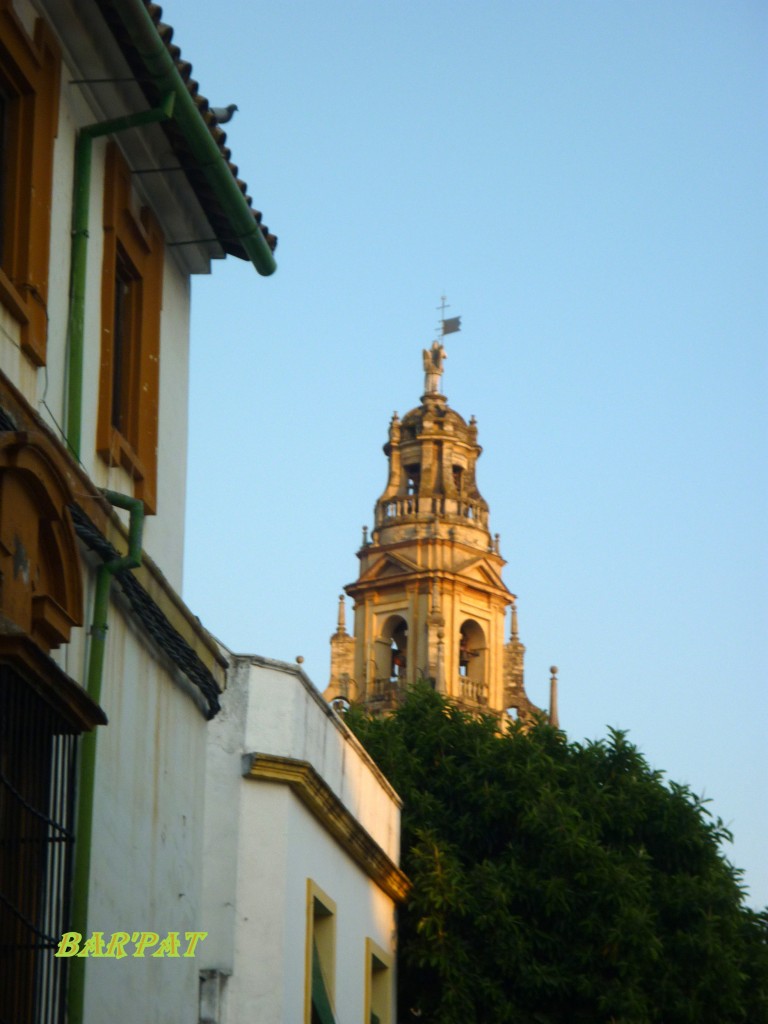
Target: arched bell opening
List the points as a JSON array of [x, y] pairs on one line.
[[392, 650], [412, 478], [472, 661], [340, 705]]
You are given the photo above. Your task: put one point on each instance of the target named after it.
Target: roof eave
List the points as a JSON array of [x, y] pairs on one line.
[[137, 23]]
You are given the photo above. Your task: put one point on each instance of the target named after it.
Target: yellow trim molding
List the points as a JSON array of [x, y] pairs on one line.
[[317, 899], [320, 800], [378, 996]]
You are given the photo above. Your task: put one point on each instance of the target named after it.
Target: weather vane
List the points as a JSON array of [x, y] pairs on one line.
[[452, 324]]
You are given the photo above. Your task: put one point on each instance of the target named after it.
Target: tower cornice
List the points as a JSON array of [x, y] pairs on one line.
[[425, 577]]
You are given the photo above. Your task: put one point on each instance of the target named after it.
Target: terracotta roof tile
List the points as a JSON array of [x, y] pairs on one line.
[[194, 173]]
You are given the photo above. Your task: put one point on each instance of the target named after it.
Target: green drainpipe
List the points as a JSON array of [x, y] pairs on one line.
[[84, 832], [178, 103], [160, 66], [79, 250]]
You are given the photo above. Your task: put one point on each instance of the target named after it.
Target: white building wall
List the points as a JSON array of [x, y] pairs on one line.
[[288, 717], [147, 847], [223, 822], [146, 863], [255, 902], [267, 982], [281, 846], [164, 532]]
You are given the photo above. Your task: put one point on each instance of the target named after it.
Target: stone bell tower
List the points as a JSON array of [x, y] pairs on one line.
[[430, 601]]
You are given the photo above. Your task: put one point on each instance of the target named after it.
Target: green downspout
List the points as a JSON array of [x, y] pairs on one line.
[[84, 832], [138, 23], [178, 103], [78, 265], [158, 62]]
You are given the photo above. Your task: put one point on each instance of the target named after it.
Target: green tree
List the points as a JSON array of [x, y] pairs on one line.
[[559, 882]]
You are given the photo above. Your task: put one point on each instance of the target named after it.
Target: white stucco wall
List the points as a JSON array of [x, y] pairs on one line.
[[146, 867], [262, 845], [146, 863], [164, 532], [147, 842], [287, 716], [281, 846]]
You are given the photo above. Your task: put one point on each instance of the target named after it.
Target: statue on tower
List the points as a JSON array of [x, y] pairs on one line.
[[433, 367]]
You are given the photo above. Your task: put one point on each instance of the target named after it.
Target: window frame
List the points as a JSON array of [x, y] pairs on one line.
[[30, 74], [134, 252], [378, 990], [321, 936]]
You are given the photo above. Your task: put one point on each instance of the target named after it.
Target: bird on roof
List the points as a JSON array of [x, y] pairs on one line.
[[224, 114]]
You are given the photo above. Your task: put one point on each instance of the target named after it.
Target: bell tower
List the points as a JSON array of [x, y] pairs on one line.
[[429, 601]]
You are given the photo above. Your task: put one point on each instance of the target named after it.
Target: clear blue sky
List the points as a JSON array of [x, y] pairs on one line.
[[587, 183]]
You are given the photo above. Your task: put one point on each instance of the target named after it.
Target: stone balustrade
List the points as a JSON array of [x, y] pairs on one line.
[[412, 505], [473, 691]]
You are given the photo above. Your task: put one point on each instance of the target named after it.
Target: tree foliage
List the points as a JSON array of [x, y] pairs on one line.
[[559, 882]]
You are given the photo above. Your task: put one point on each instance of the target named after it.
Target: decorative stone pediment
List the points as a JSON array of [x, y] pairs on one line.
[[41, 589], [479, 569], [389, 565]]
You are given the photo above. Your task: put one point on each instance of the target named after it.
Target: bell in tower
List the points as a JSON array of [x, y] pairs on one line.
[[429, 601]]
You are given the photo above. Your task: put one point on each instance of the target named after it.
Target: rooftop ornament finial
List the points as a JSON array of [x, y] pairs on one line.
[[514, 634], [433, 368], [434, 356], [554, 718], [342, 625]]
